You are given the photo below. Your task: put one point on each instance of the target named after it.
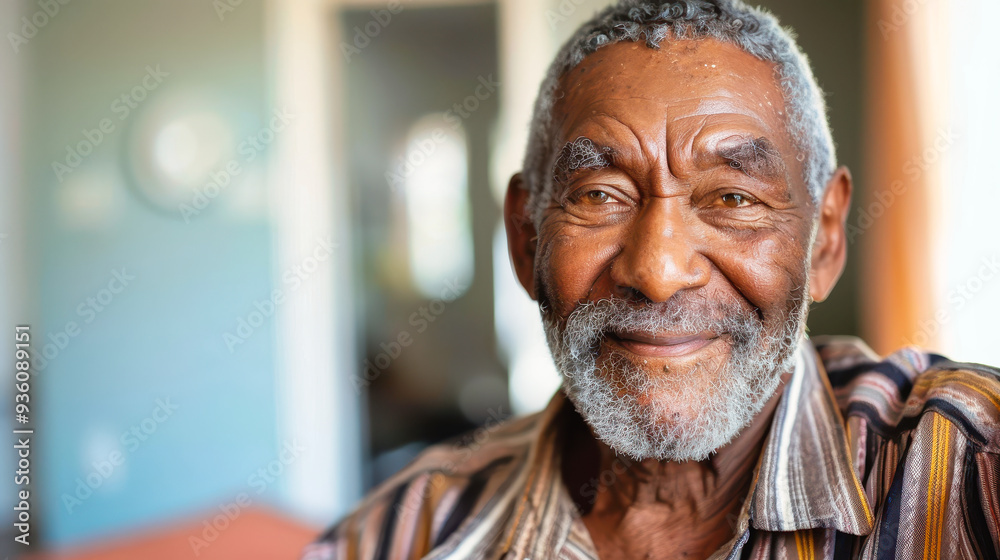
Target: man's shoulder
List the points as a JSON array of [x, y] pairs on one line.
[[431, 499], [893, 393]]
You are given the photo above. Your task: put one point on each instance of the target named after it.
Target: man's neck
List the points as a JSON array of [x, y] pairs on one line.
[[664, 509]]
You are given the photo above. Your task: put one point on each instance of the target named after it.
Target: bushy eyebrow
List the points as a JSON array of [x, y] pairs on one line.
[[579, 154], [757, 157]]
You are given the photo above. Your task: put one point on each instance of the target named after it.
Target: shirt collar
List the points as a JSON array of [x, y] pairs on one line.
[[805, 477]]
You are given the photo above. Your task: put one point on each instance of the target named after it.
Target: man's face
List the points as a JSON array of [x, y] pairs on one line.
[[673, 262]]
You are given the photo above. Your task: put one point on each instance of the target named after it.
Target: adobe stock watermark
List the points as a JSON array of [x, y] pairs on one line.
[[220, 179], [421, 320], [913, 169], [902, 12], [606, 479], [291, 280], [131, 439], [473, 441], [425, 147], [467, 445], [958, 297], [363, 35], [31, 25], [122, 106], [88, 310], [224, 7], [562, 13], [257, 483]]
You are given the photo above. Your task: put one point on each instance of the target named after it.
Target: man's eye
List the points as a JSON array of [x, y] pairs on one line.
[[595, 197], [736, 200]]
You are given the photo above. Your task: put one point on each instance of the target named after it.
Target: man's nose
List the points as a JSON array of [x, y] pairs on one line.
[[660, 256]]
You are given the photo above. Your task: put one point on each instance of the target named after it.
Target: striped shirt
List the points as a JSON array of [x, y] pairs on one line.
[[865, 458]]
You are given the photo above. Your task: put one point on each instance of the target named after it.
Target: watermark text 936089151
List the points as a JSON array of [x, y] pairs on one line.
[[22, 433]]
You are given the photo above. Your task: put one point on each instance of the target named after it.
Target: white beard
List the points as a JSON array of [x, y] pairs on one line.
[[687, 415]]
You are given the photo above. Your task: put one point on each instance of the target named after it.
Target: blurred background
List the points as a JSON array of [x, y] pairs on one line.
[[258, 243]]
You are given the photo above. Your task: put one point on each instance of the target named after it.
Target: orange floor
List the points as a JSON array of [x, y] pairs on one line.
[[254, 534]]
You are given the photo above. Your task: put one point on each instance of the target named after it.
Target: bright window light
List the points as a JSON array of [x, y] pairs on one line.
[[533, 376], [970, 257], [437, 205]]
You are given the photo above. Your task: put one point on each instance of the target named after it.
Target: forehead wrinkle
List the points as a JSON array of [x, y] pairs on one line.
[[718, 106], [678, 148]]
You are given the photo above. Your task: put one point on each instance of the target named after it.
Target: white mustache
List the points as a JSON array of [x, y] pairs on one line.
[[589, 322]]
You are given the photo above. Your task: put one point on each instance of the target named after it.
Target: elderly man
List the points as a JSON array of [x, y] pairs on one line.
[[679, 209]]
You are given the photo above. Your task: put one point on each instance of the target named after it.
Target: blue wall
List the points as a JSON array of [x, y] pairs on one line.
[[159, 340]]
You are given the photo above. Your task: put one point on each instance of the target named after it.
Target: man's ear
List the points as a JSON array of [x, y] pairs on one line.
[[830, 248], [521, 236]]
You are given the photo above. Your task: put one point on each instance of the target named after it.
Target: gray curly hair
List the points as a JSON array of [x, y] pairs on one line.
[[754, 30]]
